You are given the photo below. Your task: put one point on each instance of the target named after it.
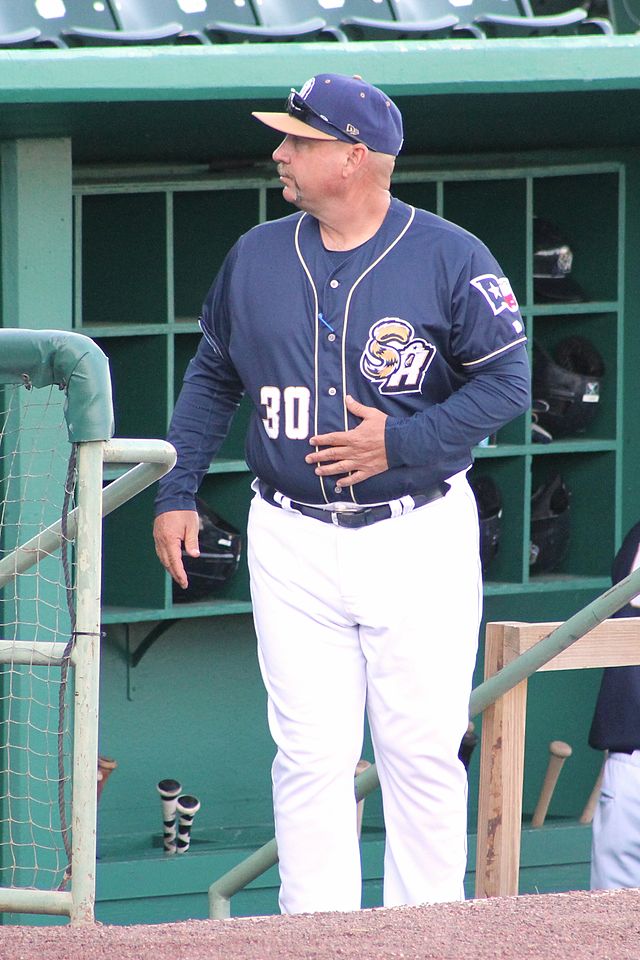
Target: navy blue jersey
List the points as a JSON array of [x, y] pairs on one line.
[[419, 322]]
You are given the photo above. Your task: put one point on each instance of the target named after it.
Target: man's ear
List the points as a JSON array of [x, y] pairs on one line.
[[355, 158]]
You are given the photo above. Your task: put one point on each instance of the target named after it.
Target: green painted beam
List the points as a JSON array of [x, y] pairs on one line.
[[36, 234], [241, 71], [190, 104]]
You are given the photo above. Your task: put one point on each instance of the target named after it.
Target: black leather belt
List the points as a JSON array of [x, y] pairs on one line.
[[355, 518]]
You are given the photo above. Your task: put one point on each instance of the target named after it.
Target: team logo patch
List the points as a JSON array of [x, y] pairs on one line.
[[591, 392], [497, 292], [395, 358]]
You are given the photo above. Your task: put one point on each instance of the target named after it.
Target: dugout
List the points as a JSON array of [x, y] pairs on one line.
[[125, 174]]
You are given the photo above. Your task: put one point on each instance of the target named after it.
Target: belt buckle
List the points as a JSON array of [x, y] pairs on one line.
[[348, 519], [353, 520], [361, 518]]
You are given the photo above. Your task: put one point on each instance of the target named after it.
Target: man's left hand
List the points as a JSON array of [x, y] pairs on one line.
[[360, 452]]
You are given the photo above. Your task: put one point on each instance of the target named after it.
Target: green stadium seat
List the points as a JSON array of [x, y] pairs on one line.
[[410, 20], [337, 12], [417, 19], [277, 21], [25, 23], [622, 15], [161, 21], [516, 18], [121, 33], [192, 16]]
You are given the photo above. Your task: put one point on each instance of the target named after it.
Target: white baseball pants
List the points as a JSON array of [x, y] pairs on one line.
[[615, 846], [383, 618]]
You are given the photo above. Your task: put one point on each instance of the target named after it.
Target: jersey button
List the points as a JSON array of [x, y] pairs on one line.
[[334, 283], [332, 391], [331, 337]]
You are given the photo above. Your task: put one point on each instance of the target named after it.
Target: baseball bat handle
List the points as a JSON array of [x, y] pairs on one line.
[[169, 791], [590, 806], [187, 807], [558, 753], [106, 766]]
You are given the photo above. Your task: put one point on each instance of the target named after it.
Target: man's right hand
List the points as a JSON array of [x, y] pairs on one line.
[[170, 531]]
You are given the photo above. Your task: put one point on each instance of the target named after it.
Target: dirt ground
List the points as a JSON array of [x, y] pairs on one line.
[[604, 925]]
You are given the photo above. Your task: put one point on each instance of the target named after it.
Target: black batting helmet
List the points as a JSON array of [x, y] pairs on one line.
[[550, 525], [489, 501], [567, 386], [220, 548], [552, 263]]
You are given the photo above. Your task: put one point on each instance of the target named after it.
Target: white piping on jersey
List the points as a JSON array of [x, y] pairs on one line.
[[495, 353], [345, 322], [316, 337], [205, 333]]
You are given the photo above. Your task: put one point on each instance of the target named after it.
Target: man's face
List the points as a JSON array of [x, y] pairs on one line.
[[310, 170]]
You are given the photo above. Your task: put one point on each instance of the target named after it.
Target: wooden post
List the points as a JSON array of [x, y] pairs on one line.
[[614, 642], [501, 776]]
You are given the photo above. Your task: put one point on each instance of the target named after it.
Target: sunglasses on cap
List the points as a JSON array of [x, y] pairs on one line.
[[297, 107]]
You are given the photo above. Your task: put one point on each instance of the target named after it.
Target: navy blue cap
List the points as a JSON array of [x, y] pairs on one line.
[[331, 106]]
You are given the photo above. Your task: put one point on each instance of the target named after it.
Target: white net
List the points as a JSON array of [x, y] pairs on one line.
[[37, 479]]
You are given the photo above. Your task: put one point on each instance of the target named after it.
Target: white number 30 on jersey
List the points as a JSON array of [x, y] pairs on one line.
[[286, 409]]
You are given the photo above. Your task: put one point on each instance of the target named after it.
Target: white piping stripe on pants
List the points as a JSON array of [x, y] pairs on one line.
[[386, 615]]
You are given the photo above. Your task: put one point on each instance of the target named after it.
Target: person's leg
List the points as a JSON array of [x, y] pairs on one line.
[[615, 847], [419, 631], [314, 674]]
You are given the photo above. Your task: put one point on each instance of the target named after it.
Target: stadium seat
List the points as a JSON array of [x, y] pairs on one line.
[[515, 18], [620, 14], [27, 23], [126, 30], [411, 20], [191, 16], [279, 21], [161, 21], [337, 12]]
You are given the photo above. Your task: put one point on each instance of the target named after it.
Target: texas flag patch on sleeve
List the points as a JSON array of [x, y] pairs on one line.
[[497, 292]]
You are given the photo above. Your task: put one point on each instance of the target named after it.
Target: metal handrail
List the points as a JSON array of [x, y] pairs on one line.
[[157, 458], [603, 607]]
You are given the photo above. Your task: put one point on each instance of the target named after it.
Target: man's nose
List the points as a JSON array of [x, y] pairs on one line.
[[279, 155]]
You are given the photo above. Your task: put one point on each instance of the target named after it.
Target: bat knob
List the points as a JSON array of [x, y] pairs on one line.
[[169, 789], [187, 805]]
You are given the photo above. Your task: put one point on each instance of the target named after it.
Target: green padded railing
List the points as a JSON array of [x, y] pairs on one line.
[[73, 362]]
